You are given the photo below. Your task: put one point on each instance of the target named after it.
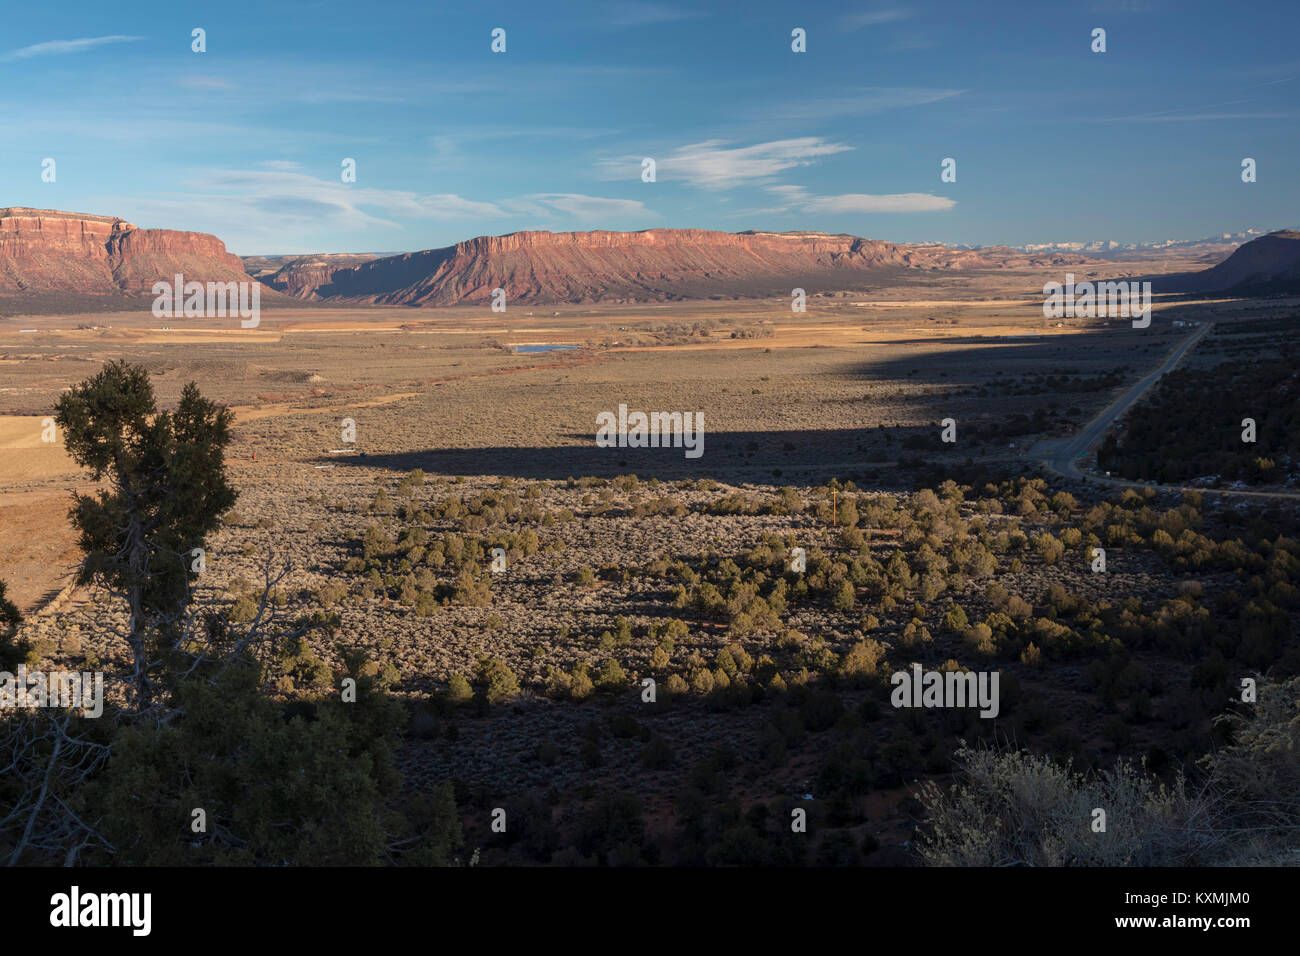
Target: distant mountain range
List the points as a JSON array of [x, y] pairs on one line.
[[668, 264], [53, 259], [652, 265], [1109, 247]]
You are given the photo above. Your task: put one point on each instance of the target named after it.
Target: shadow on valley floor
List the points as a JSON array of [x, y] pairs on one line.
[[761, 457], [996, 390], [978, 360]]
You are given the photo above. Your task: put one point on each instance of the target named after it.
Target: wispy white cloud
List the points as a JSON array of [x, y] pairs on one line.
[[1285, 79], [713, 164], [867, 99], [892, 202], [591, 207], [874, 18], [1123, 6], [797, 198], [1274, 72], [264, 206], [1203, 117], [633, 13], [57, 47], [206, 83], [912, 41], [299, 196]]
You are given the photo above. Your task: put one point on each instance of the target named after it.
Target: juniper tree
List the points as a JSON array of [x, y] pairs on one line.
[[307, 778], [166, 491], [12, 652], [8, 612]]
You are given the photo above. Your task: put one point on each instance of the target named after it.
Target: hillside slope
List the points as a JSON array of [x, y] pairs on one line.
[[1263, 266]]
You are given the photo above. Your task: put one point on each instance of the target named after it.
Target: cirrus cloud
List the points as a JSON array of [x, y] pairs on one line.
[[890, 202], [714, 164], [873, 18], [56, 47], [590, 207], [798, 198]]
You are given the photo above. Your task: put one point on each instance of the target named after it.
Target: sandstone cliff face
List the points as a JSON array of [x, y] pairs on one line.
[[43, 250], [140, 257], [654, 265], [299, 275]]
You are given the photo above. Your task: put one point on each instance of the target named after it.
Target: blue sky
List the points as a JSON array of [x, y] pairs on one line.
[[1052, 141]]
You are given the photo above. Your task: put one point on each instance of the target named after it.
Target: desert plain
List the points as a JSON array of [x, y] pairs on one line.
[[853, 389]]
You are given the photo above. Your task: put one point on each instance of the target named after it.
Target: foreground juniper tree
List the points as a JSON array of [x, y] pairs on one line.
[[208, 763], [12, 652], [8, 612], [167, 490]]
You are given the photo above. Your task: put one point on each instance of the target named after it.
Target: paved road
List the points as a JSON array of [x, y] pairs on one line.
[[1065, 459]]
